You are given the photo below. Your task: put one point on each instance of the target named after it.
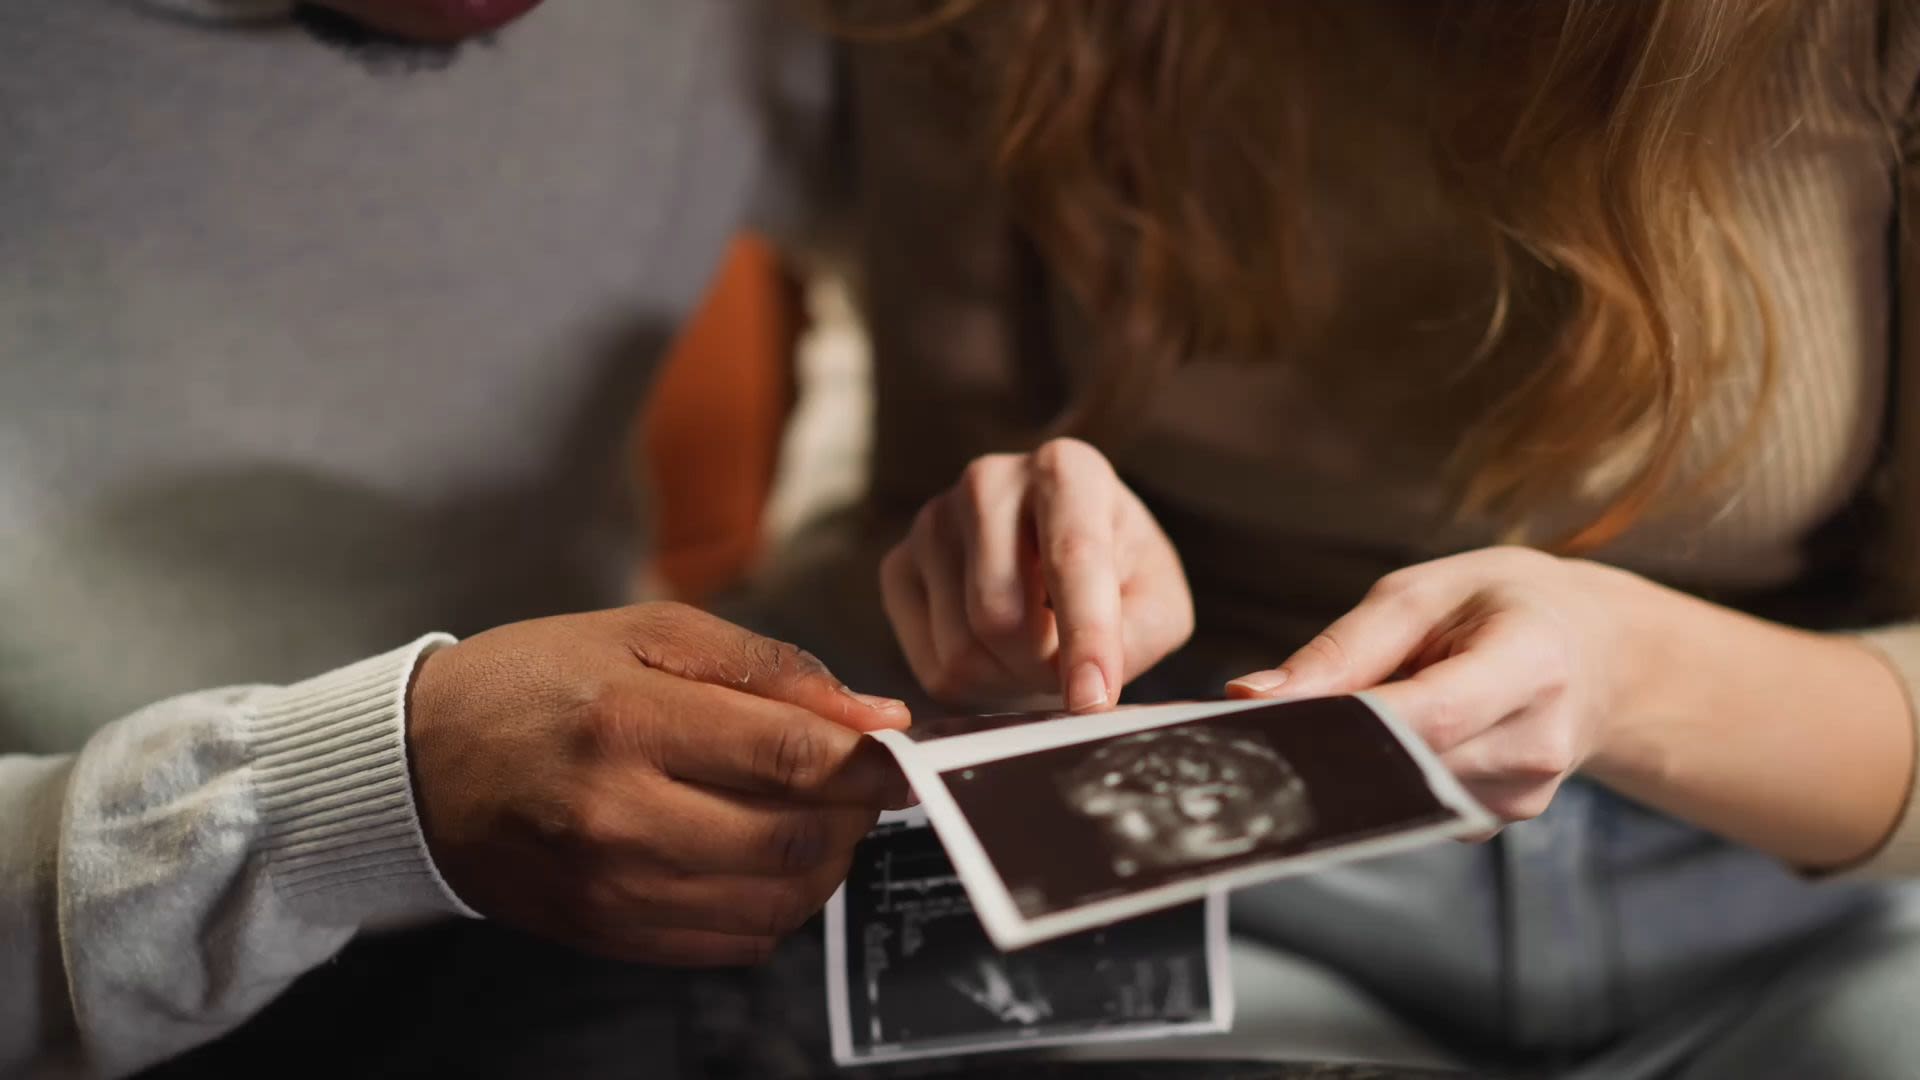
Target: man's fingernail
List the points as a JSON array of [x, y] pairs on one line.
[[1087, 689], [875, 701], [1261, 682]]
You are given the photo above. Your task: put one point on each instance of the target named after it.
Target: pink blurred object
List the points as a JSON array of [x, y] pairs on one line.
[[434, 20]]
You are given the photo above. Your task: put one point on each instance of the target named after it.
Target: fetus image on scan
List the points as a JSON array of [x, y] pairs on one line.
[[1012, 996], [1179, 796]]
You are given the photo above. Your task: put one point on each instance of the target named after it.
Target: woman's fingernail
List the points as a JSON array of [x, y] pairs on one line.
[[1261, 682], [1087, 689]]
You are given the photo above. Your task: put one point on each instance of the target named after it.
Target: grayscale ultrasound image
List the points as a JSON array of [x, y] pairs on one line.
[[1180, 795], [921, 972], [1078, 824]]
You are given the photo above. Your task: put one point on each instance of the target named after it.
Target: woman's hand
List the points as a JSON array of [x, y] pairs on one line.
[[1507, 661], [1520, 669], [1037, 573]]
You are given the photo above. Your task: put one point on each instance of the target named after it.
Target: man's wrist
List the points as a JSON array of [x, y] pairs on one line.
[[331, 781]]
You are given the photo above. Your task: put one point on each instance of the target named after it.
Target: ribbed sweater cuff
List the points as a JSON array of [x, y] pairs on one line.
[[344, 843], [1899, 854]]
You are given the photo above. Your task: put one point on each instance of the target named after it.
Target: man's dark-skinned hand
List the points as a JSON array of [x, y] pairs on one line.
[[649, 783]]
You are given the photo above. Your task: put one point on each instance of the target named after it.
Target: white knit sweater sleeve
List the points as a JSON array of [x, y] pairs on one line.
[[195, 857]]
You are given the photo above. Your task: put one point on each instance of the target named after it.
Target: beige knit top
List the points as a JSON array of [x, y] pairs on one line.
[[1286, 501]]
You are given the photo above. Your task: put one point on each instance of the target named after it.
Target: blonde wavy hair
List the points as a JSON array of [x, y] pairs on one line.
[[1152, 151]]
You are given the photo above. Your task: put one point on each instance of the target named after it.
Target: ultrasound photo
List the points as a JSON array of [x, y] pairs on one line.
[[913, 974], [1060, 823], [1081, 823]]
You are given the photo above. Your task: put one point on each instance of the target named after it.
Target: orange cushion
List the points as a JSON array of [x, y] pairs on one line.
[[711, 429]]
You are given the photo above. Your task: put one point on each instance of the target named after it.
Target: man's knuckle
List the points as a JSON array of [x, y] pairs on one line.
[[751, 658], [795, 842], [602, 898], [662, 619], [654, 946], [593, 823], [606, 718], [803, 664], [679, 611], [706, 950], [616, 724], [752, 951], [794, 757], [641, 620], [555, 826], [784, 908], [764, 659], [668, 636]]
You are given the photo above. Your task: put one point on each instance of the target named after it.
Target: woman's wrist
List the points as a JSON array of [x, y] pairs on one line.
[[1715, 712], [1649, 681]]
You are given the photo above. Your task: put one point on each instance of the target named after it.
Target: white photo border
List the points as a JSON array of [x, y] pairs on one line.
[[993, 902]]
